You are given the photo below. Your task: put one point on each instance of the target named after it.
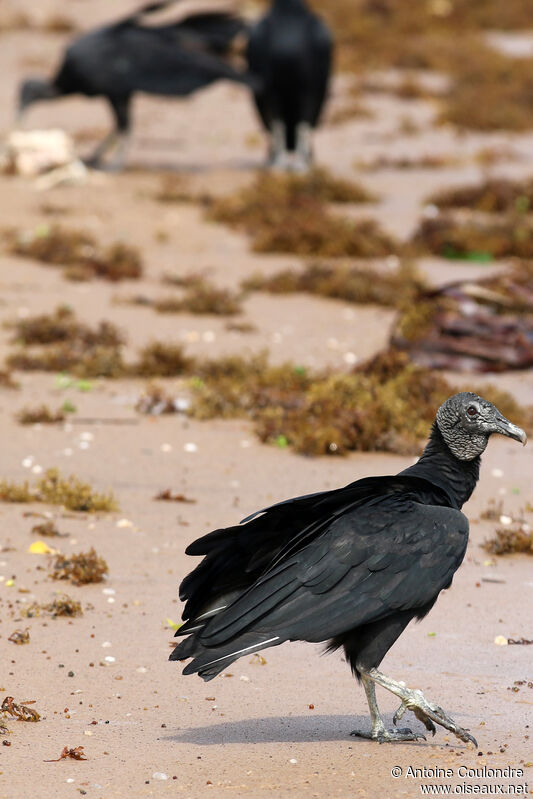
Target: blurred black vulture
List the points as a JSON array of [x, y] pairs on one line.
[[126, 57], [351, 566], [290, 49]]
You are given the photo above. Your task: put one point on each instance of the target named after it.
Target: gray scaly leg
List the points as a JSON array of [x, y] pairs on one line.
[[379, 732], [426, 712]]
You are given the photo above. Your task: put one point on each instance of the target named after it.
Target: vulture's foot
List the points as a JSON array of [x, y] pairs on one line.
[[430, 714], [383, 735], [426, 721]]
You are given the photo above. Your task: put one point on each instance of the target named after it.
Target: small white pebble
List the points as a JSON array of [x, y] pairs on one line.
[[37, 469], [430, 211], [107, 644], [108, 591], [500, 640], [208, 336], [155, 550], [234, 483], [86, 436], [124, 523], [166, 447], [244, 678], [190, 447], [69, 779], [73, 541], [350, 358], [159, 775], [497, 473], [87, 732], [506, 520], [182, 404], [111, 600], [293, 760], [84, 445], [245, 443], [109, 659], [333, 447], [141, 670], [68, 452], [28, 462]]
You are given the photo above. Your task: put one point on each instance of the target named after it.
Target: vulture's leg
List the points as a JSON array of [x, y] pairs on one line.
[[118, 138], [277, 156], [427, 712], [304, 145], [96, 156], [379, 731]]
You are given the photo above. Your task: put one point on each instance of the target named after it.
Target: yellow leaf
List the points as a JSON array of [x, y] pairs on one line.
[[172, 624], [40, 548]]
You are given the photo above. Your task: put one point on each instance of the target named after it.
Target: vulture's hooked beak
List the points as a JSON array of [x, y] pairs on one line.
[[506, 428]]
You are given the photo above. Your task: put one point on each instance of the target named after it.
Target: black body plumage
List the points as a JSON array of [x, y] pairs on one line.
[[290, 49]]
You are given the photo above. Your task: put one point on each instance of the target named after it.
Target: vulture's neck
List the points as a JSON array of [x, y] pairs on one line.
[[438, 465]]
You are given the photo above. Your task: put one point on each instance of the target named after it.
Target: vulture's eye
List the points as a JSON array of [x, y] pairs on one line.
[[472, 411]]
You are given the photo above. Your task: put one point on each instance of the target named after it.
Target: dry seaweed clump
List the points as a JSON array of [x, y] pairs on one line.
[[19, 710], [474, 238], [59, 342], [490, 91], [359, 411], [40, 415], [513, 538], [200, 297], [391, 288], [286, 214], [155, 401], [162, 360], [63, 326], [62, 605], [80, 569], [20, 637], [387, 406], [72, 493], [483, 325], [492, 196], [77, 250], [419, 34], [176, 189]]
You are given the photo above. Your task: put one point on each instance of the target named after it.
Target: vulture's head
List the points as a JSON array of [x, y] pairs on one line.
[[467, 421], [32, 90]]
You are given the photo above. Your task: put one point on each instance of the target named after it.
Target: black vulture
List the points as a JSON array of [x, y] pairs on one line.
[[290, 50], [351, 567], [126, 57]]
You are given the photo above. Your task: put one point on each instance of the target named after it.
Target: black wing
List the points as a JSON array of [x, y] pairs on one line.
[[322, 59], [126, 58], [396, 554], [236, 557]]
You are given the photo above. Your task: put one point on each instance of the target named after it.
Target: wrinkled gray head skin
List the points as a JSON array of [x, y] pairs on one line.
[[32, 90], [467, 421]]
